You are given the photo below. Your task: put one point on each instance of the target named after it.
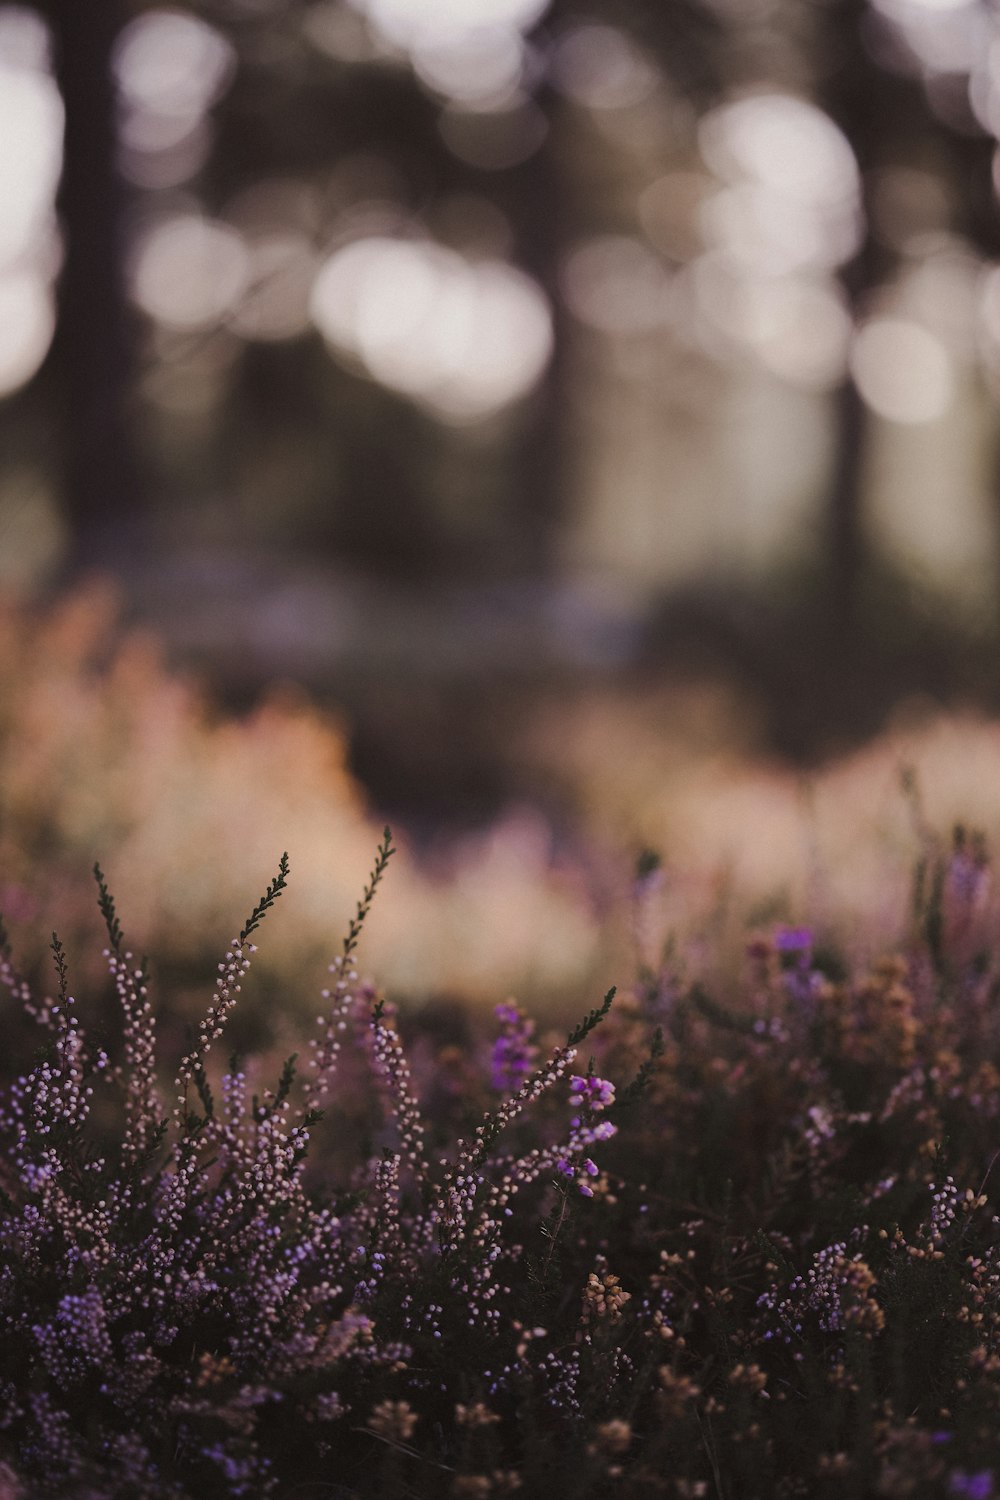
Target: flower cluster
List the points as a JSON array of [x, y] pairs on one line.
[[514, 1053], [730, 1243], [838, 1290], [171, 1299], [591, 1093], [105, 750]]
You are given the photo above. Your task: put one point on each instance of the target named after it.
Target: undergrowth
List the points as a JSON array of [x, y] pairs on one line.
[[726, 1245]]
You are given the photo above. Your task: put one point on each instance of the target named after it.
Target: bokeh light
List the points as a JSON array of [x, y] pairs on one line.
[[940, 290], [463, 339], [670, 212], [409, 22], [700, 248], [771, 233], [27, 318], [784, 143], [902, 370], [31, 120], [469, 52], [170, 68], [601, 67], [988, 324], [172, 64], [278, 220], [31, 126], [474, 67], [942, 36], [280, 272], [341, 32], [796, 327], [792, 193], [494, 139], [800, 329], [614, 284], [188, 272]]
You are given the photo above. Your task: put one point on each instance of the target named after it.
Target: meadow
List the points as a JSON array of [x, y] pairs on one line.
[[734, 1233]]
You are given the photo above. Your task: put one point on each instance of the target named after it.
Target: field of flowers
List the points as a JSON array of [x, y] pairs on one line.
[[107, 754], [735, 1244], [736, 1234]]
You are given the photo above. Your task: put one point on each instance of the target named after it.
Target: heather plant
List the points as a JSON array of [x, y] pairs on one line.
[[105, 748], [745, 837], [733, 1243]]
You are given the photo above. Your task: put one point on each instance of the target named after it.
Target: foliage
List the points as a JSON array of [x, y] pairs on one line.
[[103, 748], [779, 1277], [743, 837]]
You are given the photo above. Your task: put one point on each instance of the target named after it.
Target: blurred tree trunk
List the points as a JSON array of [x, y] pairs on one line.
[[846, 91], [973, 166], [92, 350], [885, 118], [543, 201]]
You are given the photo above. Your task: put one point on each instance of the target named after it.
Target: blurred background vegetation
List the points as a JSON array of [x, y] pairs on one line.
[[531, 381]]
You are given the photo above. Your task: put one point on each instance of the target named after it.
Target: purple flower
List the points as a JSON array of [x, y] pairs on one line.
[[591, 1092], [513, 1055], [977, 1486], [801, 981], [793, 939]]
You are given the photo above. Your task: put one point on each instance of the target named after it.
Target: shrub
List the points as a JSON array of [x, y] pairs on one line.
[[103, 749], [738, 1246], [745, 837]]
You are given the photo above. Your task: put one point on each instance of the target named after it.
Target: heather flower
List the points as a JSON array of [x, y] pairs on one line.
[[596, 1093], [801, 981], [604, 1297], [677, 1392], [978, 1486], [793, 940], [201, 1305], [471, 1487], [615, 1437], [513, 1055], [103, 749], [752, 1377], [838, 1291], [591, 1093], [393, 1072], [476, 1415], [506, 1481], [393, 1420], [967, 878], [579, 1173]]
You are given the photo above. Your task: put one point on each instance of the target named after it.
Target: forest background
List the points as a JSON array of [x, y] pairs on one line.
[[592, 406]]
